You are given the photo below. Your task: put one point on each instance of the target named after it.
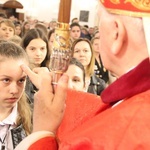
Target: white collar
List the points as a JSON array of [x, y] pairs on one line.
[[11, 119], [117, 103]]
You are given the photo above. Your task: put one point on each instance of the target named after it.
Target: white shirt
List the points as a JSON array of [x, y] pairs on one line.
[[87, 83], [4, 125]]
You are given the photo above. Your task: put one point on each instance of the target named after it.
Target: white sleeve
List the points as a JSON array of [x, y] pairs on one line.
[[32, 138]]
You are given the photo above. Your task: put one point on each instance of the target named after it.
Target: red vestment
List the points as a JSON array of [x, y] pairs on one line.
[[90, 124]]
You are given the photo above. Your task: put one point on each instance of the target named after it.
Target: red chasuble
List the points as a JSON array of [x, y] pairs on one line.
[[122, 122]]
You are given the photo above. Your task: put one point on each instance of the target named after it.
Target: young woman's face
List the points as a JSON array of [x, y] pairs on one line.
[[27, 26], [12, 82], [76, 80], [96, 45], [17, 30], [97, 35], [6, 32], [36, 51], [82, 52], [75, 32]]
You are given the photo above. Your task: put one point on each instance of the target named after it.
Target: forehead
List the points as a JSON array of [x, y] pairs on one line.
[[3, 24], [81, 44], [11, 67], [10, 60], [95, 40], [75, 28], [74, 70], [27, 24], [18, 27], [37, 42], [91, 28]]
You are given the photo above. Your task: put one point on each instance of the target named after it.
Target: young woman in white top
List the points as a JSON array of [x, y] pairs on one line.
[[15, 114]]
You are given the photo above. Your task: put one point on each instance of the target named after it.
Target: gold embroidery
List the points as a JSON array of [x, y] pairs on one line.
[[143, 5], [115, 1], [128, 13], [140, 4]]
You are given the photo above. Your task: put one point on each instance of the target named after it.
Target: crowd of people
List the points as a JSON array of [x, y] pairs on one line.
[[97, 77], [84, 110], [36, 39]]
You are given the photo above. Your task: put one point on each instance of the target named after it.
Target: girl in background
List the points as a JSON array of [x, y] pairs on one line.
[[7, 29], [35, 43], [25, 28], [18, 29], [82, 50], [76, 75]]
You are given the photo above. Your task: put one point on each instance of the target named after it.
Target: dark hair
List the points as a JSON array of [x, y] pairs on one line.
[[74, 61], [3, 15], [18, 25], [86, 26], [11, 50], [74, 19], [97, 31], [42, 27], [35, 34], [50, 33], [74, 24], [23, 28]]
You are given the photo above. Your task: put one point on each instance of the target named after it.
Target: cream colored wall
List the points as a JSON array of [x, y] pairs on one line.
[[48, 10], [88, 5]]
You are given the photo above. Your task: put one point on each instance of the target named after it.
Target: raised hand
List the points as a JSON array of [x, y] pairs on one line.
[[48, 107]]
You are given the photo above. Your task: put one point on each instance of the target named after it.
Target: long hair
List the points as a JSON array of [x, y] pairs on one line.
[[24, 114], [23, 28], [11, 50], [90, 68], [35, 34], [42, 27]]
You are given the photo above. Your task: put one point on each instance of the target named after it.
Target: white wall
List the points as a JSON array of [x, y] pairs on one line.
[[88, 5], [48, 10]]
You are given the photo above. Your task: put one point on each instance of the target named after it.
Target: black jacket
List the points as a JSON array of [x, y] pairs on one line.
[[97, 85], [100, 71]]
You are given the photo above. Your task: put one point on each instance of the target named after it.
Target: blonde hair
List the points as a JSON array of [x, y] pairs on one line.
[[90, 68], [93, 39], [24, 114], [16, 39]]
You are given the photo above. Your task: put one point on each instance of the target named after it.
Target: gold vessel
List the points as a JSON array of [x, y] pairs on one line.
[[61, 51]]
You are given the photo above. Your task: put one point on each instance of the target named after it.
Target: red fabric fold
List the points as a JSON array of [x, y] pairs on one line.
[[47, 143], [130, 84]]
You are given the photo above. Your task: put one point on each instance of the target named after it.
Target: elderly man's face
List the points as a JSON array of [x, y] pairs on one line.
[[105, 39]]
